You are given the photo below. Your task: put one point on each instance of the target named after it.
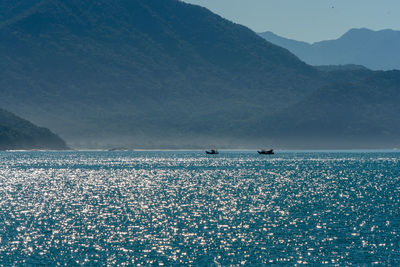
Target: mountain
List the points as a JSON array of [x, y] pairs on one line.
[[163, 73], [353, 111], [299, 48], [17, 133], [347, 67], [143, 72], [376, 50]]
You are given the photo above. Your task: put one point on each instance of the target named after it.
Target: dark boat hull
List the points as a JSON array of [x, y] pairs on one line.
[[266, 152]]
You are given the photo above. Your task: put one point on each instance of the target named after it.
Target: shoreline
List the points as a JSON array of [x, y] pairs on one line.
[[203, 150]]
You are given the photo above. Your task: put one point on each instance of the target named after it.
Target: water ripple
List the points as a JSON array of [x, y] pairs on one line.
[[182, 208]]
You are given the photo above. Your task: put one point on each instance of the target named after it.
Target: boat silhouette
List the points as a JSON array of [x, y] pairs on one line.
[[212, 152], [266, 152]]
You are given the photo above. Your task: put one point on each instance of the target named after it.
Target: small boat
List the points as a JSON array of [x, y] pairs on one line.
[[266, 152], [212, 152]]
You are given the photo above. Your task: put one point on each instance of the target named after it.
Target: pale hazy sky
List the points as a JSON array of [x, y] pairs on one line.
[[308, 20]]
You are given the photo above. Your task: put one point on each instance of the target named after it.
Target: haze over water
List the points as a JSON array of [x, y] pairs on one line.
[[179, 208]]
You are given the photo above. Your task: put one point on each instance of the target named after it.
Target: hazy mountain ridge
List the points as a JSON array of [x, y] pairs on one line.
[[17, 133], [352, 111], [377, 50], [347, 67], [161, 68], [154, 73]]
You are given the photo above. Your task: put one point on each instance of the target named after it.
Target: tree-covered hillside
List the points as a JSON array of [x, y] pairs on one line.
[[17, 133], [150, 73]]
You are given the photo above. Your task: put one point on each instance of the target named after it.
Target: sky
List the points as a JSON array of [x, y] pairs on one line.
[[308, 20]]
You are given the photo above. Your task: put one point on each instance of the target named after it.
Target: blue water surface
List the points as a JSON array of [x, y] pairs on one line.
[[188, 208]]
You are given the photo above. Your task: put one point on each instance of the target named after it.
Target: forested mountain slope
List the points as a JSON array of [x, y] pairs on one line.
[[17, 133], [152, 73]]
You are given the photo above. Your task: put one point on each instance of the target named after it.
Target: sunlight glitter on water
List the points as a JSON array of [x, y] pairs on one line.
[[125, 208]]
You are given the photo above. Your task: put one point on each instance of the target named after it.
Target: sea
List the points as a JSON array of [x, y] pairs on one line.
[[186, 208]]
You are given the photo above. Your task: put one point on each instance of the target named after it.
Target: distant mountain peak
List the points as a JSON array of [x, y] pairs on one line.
[[377, 50]]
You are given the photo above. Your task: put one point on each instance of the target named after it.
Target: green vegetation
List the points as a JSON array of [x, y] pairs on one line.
[[17, 133], [151, 73]]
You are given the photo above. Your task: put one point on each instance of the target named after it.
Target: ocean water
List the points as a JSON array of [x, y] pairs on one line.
[[188, 208]]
